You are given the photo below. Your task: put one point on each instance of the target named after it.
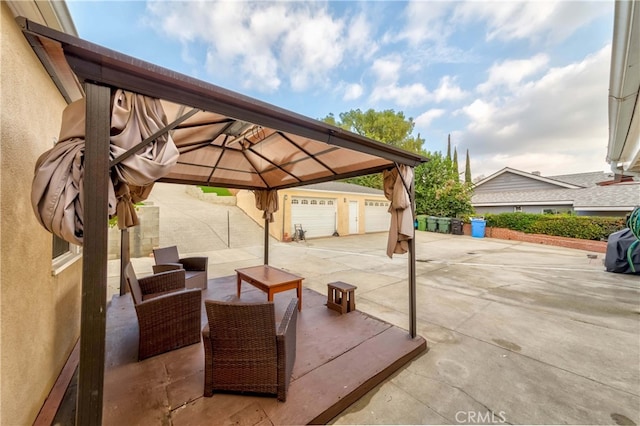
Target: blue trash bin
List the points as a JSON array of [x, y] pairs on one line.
[[477, 228]]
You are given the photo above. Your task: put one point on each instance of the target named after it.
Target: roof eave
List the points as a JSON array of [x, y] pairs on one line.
[[623, 152], [522, 203], [530, 176]]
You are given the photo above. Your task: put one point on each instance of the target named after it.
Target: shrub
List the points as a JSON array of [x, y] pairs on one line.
[[515, 221], [222, 192], [566, 225]]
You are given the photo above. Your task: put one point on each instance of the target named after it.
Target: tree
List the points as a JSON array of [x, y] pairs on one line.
[[467, 170], [449, 147], [439, 191], [455, 162], [437, 186], [387, 126]]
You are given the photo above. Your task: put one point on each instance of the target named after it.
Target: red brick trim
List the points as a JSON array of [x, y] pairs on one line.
[[574, 243]]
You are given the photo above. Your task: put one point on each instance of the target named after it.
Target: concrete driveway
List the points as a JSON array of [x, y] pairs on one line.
[[518, 333]]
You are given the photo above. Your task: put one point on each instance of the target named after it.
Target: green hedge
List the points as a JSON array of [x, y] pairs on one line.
[[563, 225]]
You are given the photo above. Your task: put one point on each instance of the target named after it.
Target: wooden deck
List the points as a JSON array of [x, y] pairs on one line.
[[339, 358]]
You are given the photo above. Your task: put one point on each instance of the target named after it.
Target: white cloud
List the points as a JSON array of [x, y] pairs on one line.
[[352, 92], [359, 38], [481, 114], [386, 70], [448, 90], [539, 21], [424, 120], [263, 44], [510, 73], [562, 116], [548, 164], [426, 21], [387, 88], [404, 96], [310, 48]]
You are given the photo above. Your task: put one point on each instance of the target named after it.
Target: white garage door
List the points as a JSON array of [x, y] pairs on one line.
[[316, 215], [376, 216]]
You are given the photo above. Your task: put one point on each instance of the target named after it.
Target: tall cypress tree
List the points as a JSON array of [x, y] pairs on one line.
[[467, 170], [449, 147], [455, 164]]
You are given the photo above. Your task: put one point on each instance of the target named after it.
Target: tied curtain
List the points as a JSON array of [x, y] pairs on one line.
[[401, 230], [267, 201], [57, 190]]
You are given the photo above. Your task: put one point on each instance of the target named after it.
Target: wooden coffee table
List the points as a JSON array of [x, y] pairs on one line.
[[270, 280]]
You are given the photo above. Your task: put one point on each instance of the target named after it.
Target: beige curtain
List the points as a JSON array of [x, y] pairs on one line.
[[267, 201], [57, 194], [401, 229]]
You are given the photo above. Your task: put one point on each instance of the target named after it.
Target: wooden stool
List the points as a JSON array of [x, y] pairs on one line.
[[341, 297]]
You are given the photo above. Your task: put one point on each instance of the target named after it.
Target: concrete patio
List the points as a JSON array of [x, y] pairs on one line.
[[518, 333]]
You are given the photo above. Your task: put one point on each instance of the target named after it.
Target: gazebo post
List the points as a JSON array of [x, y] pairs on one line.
[[94, 256], [125, 258], [266, 241], [412, 268]]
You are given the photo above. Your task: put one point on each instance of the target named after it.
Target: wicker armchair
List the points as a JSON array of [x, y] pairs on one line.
[[244, 352], [168, 313], [167, 259]]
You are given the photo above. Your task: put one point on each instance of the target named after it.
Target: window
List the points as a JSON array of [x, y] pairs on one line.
[[60, 247], [294, 201], [314, 202], [63, 254], [322, 202], [517, 209], [329, 203], [304, 202]]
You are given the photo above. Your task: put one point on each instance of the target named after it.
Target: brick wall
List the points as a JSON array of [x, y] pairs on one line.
[[574, 243]]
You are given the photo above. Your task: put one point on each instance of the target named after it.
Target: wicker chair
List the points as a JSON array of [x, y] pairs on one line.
[[168, 313], [167, 259], [244, 352]]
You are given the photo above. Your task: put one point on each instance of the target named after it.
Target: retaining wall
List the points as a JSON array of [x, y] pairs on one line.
[[210, 197], [142, 238]]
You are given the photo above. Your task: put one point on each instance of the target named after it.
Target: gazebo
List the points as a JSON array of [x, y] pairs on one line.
[[223, 139]]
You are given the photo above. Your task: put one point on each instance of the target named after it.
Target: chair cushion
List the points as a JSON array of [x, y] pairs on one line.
[[166, 255]]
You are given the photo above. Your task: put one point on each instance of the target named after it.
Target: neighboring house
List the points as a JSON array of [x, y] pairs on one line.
[[585, 194], [40, 303], [324, 209]]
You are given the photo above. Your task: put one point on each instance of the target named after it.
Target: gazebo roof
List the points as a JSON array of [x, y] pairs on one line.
[[224, 138]]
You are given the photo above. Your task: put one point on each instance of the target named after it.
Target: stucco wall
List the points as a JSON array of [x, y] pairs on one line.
[[246, 201], [39, 312]]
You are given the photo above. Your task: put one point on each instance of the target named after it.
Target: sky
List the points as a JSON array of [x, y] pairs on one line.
[[520, 84]]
